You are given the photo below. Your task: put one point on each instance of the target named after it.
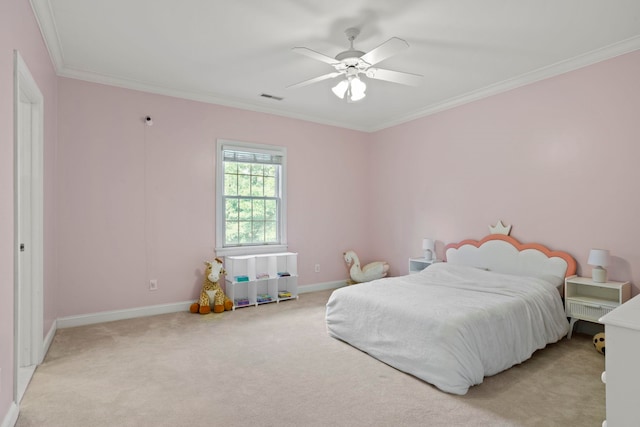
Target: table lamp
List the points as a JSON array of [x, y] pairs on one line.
[[429, 247], [599, 258]]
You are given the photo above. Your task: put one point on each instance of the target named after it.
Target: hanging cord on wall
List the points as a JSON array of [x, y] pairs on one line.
[[148, 225]]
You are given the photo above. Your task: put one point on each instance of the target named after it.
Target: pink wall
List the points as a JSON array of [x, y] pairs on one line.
[[125, 203], [18, 30], [558, 159], [137, 203]]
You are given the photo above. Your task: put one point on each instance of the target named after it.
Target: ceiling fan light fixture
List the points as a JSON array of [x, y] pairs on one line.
[[352, 63], [341, 88], [358, 88], [352, 87]]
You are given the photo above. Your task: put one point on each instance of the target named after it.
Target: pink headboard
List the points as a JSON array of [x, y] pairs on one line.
[[504, 254]]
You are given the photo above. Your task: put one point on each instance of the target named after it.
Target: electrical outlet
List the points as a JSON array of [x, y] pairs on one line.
[[153, 285], [317, 268]]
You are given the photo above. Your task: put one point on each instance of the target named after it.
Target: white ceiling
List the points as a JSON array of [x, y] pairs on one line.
[[231, 52]]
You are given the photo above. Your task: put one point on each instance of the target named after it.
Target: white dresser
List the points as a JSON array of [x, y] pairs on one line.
[[622, 335]]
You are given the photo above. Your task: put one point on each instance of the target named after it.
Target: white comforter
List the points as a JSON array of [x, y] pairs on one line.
[[449, 325]]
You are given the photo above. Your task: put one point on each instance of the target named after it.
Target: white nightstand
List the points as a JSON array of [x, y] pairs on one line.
[[416, 265], [587, 300]]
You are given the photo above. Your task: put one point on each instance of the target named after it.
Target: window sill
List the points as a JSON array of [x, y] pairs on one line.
[[251, 250]]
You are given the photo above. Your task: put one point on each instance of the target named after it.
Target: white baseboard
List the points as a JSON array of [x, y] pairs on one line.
[[11, 417], [49, 339], [110, 316], [321, 286]]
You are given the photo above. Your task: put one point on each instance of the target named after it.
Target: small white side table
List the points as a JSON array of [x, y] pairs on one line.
[[587, 300], [416, 265]]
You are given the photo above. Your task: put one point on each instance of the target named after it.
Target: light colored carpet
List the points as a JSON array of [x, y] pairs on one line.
[[275, 365]]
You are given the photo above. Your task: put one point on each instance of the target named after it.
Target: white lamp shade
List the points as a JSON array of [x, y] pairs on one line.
[[358, 87], [598, 257], [429, 247], [352, 87], [428, 244], [341, 88]]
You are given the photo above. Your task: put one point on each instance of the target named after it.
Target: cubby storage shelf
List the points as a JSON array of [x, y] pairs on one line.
[[252, 280]]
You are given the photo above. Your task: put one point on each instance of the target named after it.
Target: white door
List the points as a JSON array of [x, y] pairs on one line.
[[28, 266], [24, 234]]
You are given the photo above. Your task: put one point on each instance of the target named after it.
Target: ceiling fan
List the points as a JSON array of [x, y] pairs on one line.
[[352, 63]]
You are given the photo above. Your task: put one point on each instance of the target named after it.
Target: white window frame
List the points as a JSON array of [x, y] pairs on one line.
[[221, 250]]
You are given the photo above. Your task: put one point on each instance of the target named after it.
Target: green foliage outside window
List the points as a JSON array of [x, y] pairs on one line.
[[251, 202]]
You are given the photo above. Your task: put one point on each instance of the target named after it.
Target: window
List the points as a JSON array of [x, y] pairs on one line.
[[250, 198]]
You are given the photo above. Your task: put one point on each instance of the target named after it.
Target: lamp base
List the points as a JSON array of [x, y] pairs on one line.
[[599, 275], [428, 255]]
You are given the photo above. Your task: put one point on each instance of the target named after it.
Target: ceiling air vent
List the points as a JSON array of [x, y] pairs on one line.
[[276, 98]]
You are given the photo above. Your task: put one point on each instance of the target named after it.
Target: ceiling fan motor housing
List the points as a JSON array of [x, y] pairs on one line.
[[348, 55]]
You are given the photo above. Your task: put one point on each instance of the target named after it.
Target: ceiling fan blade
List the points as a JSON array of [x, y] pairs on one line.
[[314, 80], [385, 50], [315, 55], [394, 76]]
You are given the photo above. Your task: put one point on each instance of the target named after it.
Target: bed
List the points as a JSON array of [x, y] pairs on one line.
[[490, 306]]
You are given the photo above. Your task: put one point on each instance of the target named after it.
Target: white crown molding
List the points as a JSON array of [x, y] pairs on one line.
[[44, 16], [194, 96], [580, 61], [553, 70]]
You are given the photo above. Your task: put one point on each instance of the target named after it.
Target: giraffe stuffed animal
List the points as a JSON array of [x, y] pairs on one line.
[[211, 291]]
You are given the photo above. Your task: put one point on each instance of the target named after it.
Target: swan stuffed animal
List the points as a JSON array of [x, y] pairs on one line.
[[371, 271]]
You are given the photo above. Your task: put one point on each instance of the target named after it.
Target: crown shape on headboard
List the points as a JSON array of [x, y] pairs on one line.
[[500, 228]]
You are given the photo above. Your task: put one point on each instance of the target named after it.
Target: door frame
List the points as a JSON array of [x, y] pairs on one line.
[[31, 299]]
